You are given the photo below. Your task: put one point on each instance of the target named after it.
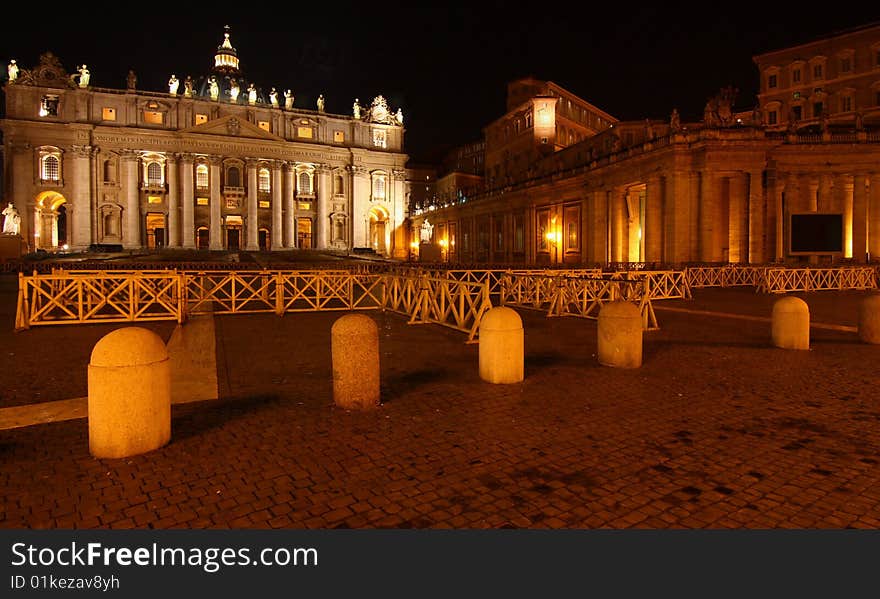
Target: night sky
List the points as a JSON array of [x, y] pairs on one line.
[[446, 64]]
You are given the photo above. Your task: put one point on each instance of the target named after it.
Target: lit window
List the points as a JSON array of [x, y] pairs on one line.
[[49, 105], [201, 118], [263, 177], [153, 117], [305, 183], [202, 201], [379, 139], [304, 205], [379, 187], [338, 137], [108, 114], [263, 204], [51, 168], [264, 125], [154, 173], [202, 176], [304, 132], [154, 200]]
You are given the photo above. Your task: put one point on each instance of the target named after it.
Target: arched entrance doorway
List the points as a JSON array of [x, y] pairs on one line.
[[378, 229], [51, 224]]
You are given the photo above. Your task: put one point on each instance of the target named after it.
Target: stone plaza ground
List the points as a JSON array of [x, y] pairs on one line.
[[717, 429]]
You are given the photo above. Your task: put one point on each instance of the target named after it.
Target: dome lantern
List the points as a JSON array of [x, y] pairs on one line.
[[226, 58]]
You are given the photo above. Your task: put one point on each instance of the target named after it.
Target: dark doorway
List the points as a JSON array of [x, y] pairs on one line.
[[203, 238], [232, 239], [263, 239], [62, 225]]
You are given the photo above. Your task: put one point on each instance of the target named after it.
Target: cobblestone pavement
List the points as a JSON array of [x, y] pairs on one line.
[[717, 429]]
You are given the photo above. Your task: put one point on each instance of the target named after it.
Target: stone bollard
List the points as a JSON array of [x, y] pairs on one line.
[[869, 319], [620, 335], [129, 394], [501, 346], [354, 346], [790, 323]]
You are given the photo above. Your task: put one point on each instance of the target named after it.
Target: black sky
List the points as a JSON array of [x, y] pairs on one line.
[[446, 64]]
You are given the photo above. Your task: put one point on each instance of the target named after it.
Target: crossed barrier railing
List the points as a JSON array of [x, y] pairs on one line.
[[88, 297], [770, 279]]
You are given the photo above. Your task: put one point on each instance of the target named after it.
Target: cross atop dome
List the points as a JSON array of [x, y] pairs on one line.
[[226, 59]]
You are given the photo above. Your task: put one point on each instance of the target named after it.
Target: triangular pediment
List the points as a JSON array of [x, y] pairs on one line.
[[232, 126]]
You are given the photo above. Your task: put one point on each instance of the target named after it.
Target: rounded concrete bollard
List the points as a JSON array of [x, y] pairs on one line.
[[790, 323], [620, 335], [501, 346], [869, 319], [354, 345], [129, 394]]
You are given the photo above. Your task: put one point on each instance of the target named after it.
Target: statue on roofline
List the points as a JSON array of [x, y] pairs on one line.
[[173, 84]]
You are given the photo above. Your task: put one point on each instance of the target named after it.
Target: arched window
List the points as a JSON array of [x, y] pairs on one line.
[[202, 176], [338, 185], [51, 168], [379, 187], [305, 183], [154, 173], [264, 180], [233, 177]]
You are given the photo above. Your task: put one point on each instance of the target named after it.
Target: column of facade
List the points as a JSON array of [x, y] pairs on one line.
[[173, 201], [253, 219], [653, 227], [737, 240], [826, 200], [187, 198], [131, 237], [843, 202], [618, 220], [398, 232], [860, 217], [360, 206], [598, 227], [81, 199], [289, 216], [775, 236], [756, 212], [793, 203], [874, 215], [809, 188], [277, 240], [216, 227], [694, 216], [322, 223], [708, 208], [631, 204]]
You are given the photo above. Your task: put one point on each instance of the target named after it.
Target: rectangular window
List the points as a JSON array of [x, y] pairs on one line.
[[845, 65], [379, 139], [338, 137], [154, 199], [201, 119], [877, 98], [817, 109], [202, 201], [264, 125], [543, 223], [817, 71], [108, 114], [153, 117], [49, 105], [796, 76], [771, 81], [797, 111], [846, 104], [304, 132], [519, 233], [572, 236], [771, 117]]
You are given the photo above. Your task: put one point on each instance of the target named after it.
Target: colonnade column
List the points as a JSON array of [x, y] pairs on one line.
[[132, 235], [756, 249], [216, 232], [874, 215], [598, 227], [860, 217], [653, 228], [677, 189], [81, 234], [173, 219], [187, 233], [618, 218], [826, 201], [737, 240], [843, 202], [708, 208], [322, 223], [289, 216], [277, 227]]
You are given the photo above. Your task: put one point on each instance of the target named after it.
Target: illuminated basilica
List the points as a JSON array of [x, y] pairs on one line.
[[561, 181], [214, 162]]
